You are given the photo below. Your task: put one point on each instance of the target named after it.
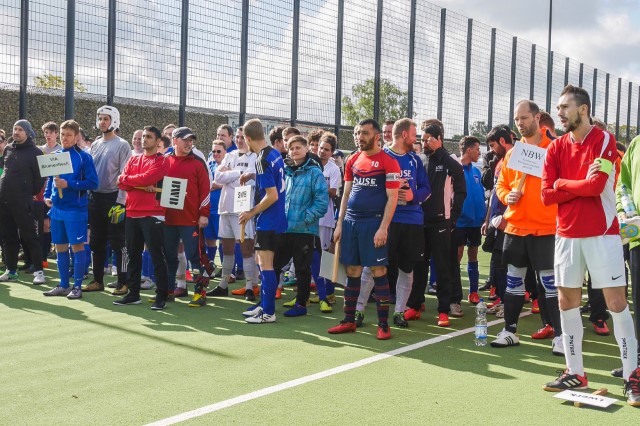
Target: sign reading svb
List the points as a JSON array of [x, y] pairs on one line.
[[54, 164], [174, 190]]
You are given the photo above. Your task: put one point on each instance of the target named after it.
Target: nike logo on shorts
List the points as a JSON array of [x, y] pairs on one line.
[[79, 238], [380, 260], [615, 278]]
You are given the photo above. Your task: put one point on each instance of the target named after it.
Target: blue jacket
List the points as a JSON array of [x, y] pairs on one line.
[[307, 197], [73, 204], [473, 209]]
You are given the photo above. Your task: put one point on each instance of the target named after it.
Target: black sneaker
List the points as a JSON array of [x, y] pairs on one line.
[[398, 319], [617, 372], [158, 305], [249, 296], [359, 317], [567, 381], [218, 292], [129, 299]]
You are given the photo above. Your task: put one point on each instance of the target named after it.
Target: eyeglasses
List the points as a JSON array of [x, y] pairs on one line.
[[218, 151]]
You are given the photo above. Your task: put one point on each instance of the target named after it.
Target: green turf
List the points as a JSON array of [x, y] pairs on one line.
[[90, 362]]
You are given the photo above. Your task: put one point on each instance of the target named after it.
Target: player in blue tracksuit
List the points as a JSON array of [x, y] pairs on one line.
[[66, 195]]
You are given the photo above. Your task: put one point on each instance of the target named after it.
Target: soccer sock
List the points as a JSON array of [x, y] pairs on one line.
[[227, 265], [433, 277], [63, 268], [474, 276], [403, 289], [249, 269], [238, 253], [512, 307], [381, 285], [366, 285], [315, 273], [626, 338], [269, 286], [330, 287], [182, 265], [145, 263], [78, 271], [211, 253], [351, 292], [72, 257], [551, 300], [87, 258], [572, 334]]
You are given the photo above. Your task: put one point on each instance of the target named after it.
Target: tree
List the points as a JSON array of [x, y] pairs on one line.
[[394, 102], [479, 130], [51, 81]]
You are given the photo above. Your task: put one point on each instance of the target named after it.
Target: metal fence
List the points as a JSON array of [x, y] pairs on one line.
[[293, 61]]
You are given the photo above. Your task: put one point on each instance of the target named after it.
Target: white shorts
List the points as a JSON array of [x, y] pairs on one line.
[[602, 256], [230, 228], [326, 234]]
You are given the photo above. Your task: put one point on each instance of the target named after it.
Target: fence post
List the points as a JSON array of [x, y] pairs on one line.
[[581, 74], [443, 23], [492, 69], [339, 43], [412, 53], [111, 52], [595, 92], [467, 79], [566, 70], [24, 57], [512, 94], [184, 47], [532, 80], [378, 62], [618, 108], [629, 114], [244, 62], [638, 119], [549, 79], [606, 99], [295, 50], [69, 110]]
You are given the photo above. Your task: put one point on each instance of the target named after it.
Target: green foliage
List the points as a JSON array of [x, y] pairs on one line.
[[394, 102], [50, 81]]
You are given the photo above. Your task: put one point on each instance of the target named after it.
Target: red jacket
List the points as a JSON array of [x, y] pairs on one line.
[[142, 170], [196, 202]]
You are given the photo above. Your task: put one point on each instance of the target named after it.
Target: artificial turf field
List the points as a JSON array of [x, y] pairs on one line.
[[90, 362]]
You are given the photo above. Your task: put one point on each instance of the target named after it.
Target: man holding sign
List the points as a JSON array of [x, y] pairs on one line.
[[66, 196], [531, 226], [19, 182], [579, 177]]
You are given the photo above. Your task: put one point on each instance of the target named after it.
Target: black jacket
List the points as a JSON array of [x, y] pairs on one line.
[[21, 177], [440, 168]]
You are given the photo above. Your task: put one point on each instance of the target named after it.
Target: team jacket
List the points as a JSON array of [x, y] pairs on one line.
[[473, 208], [586, 207], [21, 177], [196, 202], [143, 171], [307, 197], [74, 201], [230, 179], [529, 216], [411, 169], [445, 175]]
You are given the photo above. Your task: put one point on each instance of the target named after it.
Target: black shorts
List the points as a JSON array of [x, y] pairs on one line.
[[470, 237], [533, 250], [266, 240], [405, 245]]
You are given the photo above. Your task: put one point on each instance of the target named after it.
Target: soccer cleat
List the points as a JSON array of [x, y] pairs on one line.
[[278, 293], [432, 289], [443, 320], [180, 292], [500, 312], [242, 291], [188, 277], [384, 332], [456, 310], [398, 319], [197, 301], [39, 278], [325, 307], [58, 291], [632, 388], [495, 308], [495, 302], [331, 298], [473, 298], [218, 291], [93, 286], [296, 311], [504, 339], [114, 271], [567, 381], [8, 276], [600, 327], [492, 294], [158, 305], [359, 317], [249, 296], [314, 298], [261, 318], [113, 284], [557, 346], [527, 297], [253, 310], [76, 293], [617, 372], [343, 327], [545, 332], [535, 308], [45, 264], [121, 290], [129, 299], [170, 297], [412, 314], [292, 303], [147, 284], [487, 286]]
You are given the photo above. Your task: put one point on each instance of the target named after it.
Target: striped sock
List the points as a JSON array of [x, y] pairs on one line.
[[382, 297], [351, 293]]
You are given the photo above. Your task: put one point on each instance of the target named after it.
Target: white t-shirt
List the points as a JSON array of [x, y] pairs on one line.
[[238, 163], [333, 177]]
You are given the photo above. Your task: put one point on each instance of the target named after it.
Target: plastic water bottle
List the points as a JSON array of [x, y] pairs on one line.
[[628, 205], [481, 324]]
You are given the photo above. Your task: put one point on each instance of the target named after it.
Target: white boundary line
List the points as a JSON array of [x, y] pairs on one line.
[[313, 377]]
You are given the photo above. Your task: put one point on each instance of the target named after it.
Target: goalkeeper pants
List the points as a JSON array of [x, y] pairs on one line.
[[150, 231]]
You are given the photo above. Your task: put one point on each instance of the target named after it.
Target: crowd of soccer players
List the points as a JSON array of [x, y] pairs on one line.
[[397, 212]]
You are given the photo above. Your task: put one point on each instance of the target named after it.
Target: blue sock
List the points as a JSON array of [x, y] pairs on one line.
[[474, 276], [239, 263], [315, 273], [211, 253], [78, 272], [268, 290], [72, 256], [329, 286], [145, 263], [433, 277], [152, 270], [87, 258], [63, 268]]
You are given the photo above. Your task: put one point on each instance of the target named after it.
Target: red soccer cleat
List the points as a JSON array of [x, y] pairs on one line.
[[535, 308], [412, 314], [492, 294], [494, 303], [545, 332], [443, 320], [600, 327], [343, 327], [474, 298], [384, 331]]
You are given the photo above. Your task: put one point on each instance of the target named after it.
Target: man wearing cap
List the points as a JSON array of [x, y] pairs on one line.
[[183, 224], [19, 182]]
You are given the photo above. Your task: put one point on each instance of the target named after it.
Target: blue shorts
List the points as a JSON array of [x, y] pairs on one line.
[[211, 230], [68, 231], [356, 244]]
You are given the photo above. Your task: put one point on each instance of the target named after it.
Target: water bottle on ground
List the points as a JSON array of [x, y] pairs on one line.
[[481, 324]]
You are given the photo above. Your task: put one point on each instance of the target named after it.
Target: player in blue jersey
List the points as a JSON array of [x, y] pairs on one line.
[[372, 179], [406, 245], [271, 218]]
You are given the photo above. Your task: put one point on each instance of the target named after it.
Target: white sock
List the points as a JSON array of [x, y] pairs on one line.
[[403, 290], [572, 333], [366, 286], [227, 266], [182, 264], [249, 271], [626, 338]]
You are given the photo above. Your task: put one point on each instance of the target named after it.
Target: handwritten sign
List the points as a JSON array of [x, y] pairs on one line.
[[55, 164], [586, 398], [326, 268], [174, 190], [242, 199], [527, 159]]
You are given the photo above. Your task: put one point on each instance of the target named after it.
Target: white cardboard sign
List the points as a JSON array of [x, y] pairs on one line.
[[527, 159], [242, 199], [174, 191], [55, 164], [326, 268], [586, 398]]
